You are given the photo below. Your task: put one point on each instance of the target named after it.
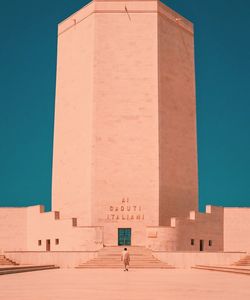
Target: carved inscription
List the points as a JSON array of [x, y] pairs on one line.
[[125, 212]]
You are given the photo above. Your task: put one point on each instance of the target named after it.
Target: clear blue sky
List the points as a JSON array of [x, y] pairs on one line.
[[28, 31]]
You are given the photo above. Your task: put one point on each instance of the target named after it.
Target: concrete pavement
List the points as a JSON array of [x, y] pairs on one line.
[[79, 284]]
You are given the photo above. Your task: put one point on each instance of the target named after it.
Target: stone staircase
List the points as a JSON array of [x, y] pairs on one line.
[[4, 261], [245, 261], [23, 269], [110, 258], [227, 269], [8, 266]]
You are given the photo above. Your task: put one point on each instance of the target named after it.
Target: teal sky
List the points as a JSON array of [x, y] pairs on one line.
[[28, 31]]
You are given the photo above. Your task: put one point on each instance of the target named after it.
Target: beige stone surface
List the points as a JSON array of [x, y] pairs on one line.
[[236, 229], [116, 284], [178, 174], [196, 226], [125, 132], [189, 259], [73, 119], [13, 228]]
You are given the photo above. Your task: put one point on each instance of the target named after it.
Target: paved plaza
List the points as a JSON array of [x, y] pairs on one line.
[[73, 284]]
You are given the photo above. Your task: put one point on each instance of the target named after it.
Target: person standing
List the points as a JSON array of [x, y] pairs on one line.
[[125, 258]]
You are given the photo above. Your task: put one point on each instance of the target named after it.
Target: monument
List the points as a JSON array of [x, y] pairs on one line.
[[125, 145], [125, 152]]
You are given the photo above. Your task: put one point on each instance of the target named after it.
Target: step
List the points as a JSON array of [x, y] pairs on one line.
[[121, 267], [110, 257], [20, 269], [114, 264], [245, 261], [120, 250], [224, 269], [119, 255], [131, 259], [4, 261]]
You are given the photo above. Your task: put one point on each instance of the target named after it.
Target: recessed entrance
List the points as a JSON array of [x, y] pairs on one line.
[[124, 236]]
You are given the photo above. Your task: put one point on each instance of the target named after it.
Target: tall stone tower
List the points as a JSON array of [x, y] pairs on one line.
[[125, 152]]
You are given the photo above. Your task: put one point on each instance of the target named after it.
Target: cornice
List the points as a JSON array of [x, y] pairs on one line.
[[121, 6]]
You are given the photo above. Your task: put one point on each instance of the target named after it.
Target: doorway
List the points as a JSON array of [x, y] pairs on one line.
[[124, 236], [201, 245], [47, 245]]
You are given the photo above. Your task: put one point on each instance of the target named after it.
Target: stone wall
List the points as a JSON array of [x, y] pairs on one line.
[[63, 234], [236, 229], [186, 234], [13, 229]]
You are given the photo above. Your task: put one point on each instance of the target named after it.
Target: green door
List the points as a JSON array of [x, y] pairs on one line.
[[124, 236]]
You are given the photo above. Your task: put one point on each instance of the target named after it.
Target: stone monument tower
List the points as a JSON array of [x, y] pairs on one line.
[[125, 151]]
